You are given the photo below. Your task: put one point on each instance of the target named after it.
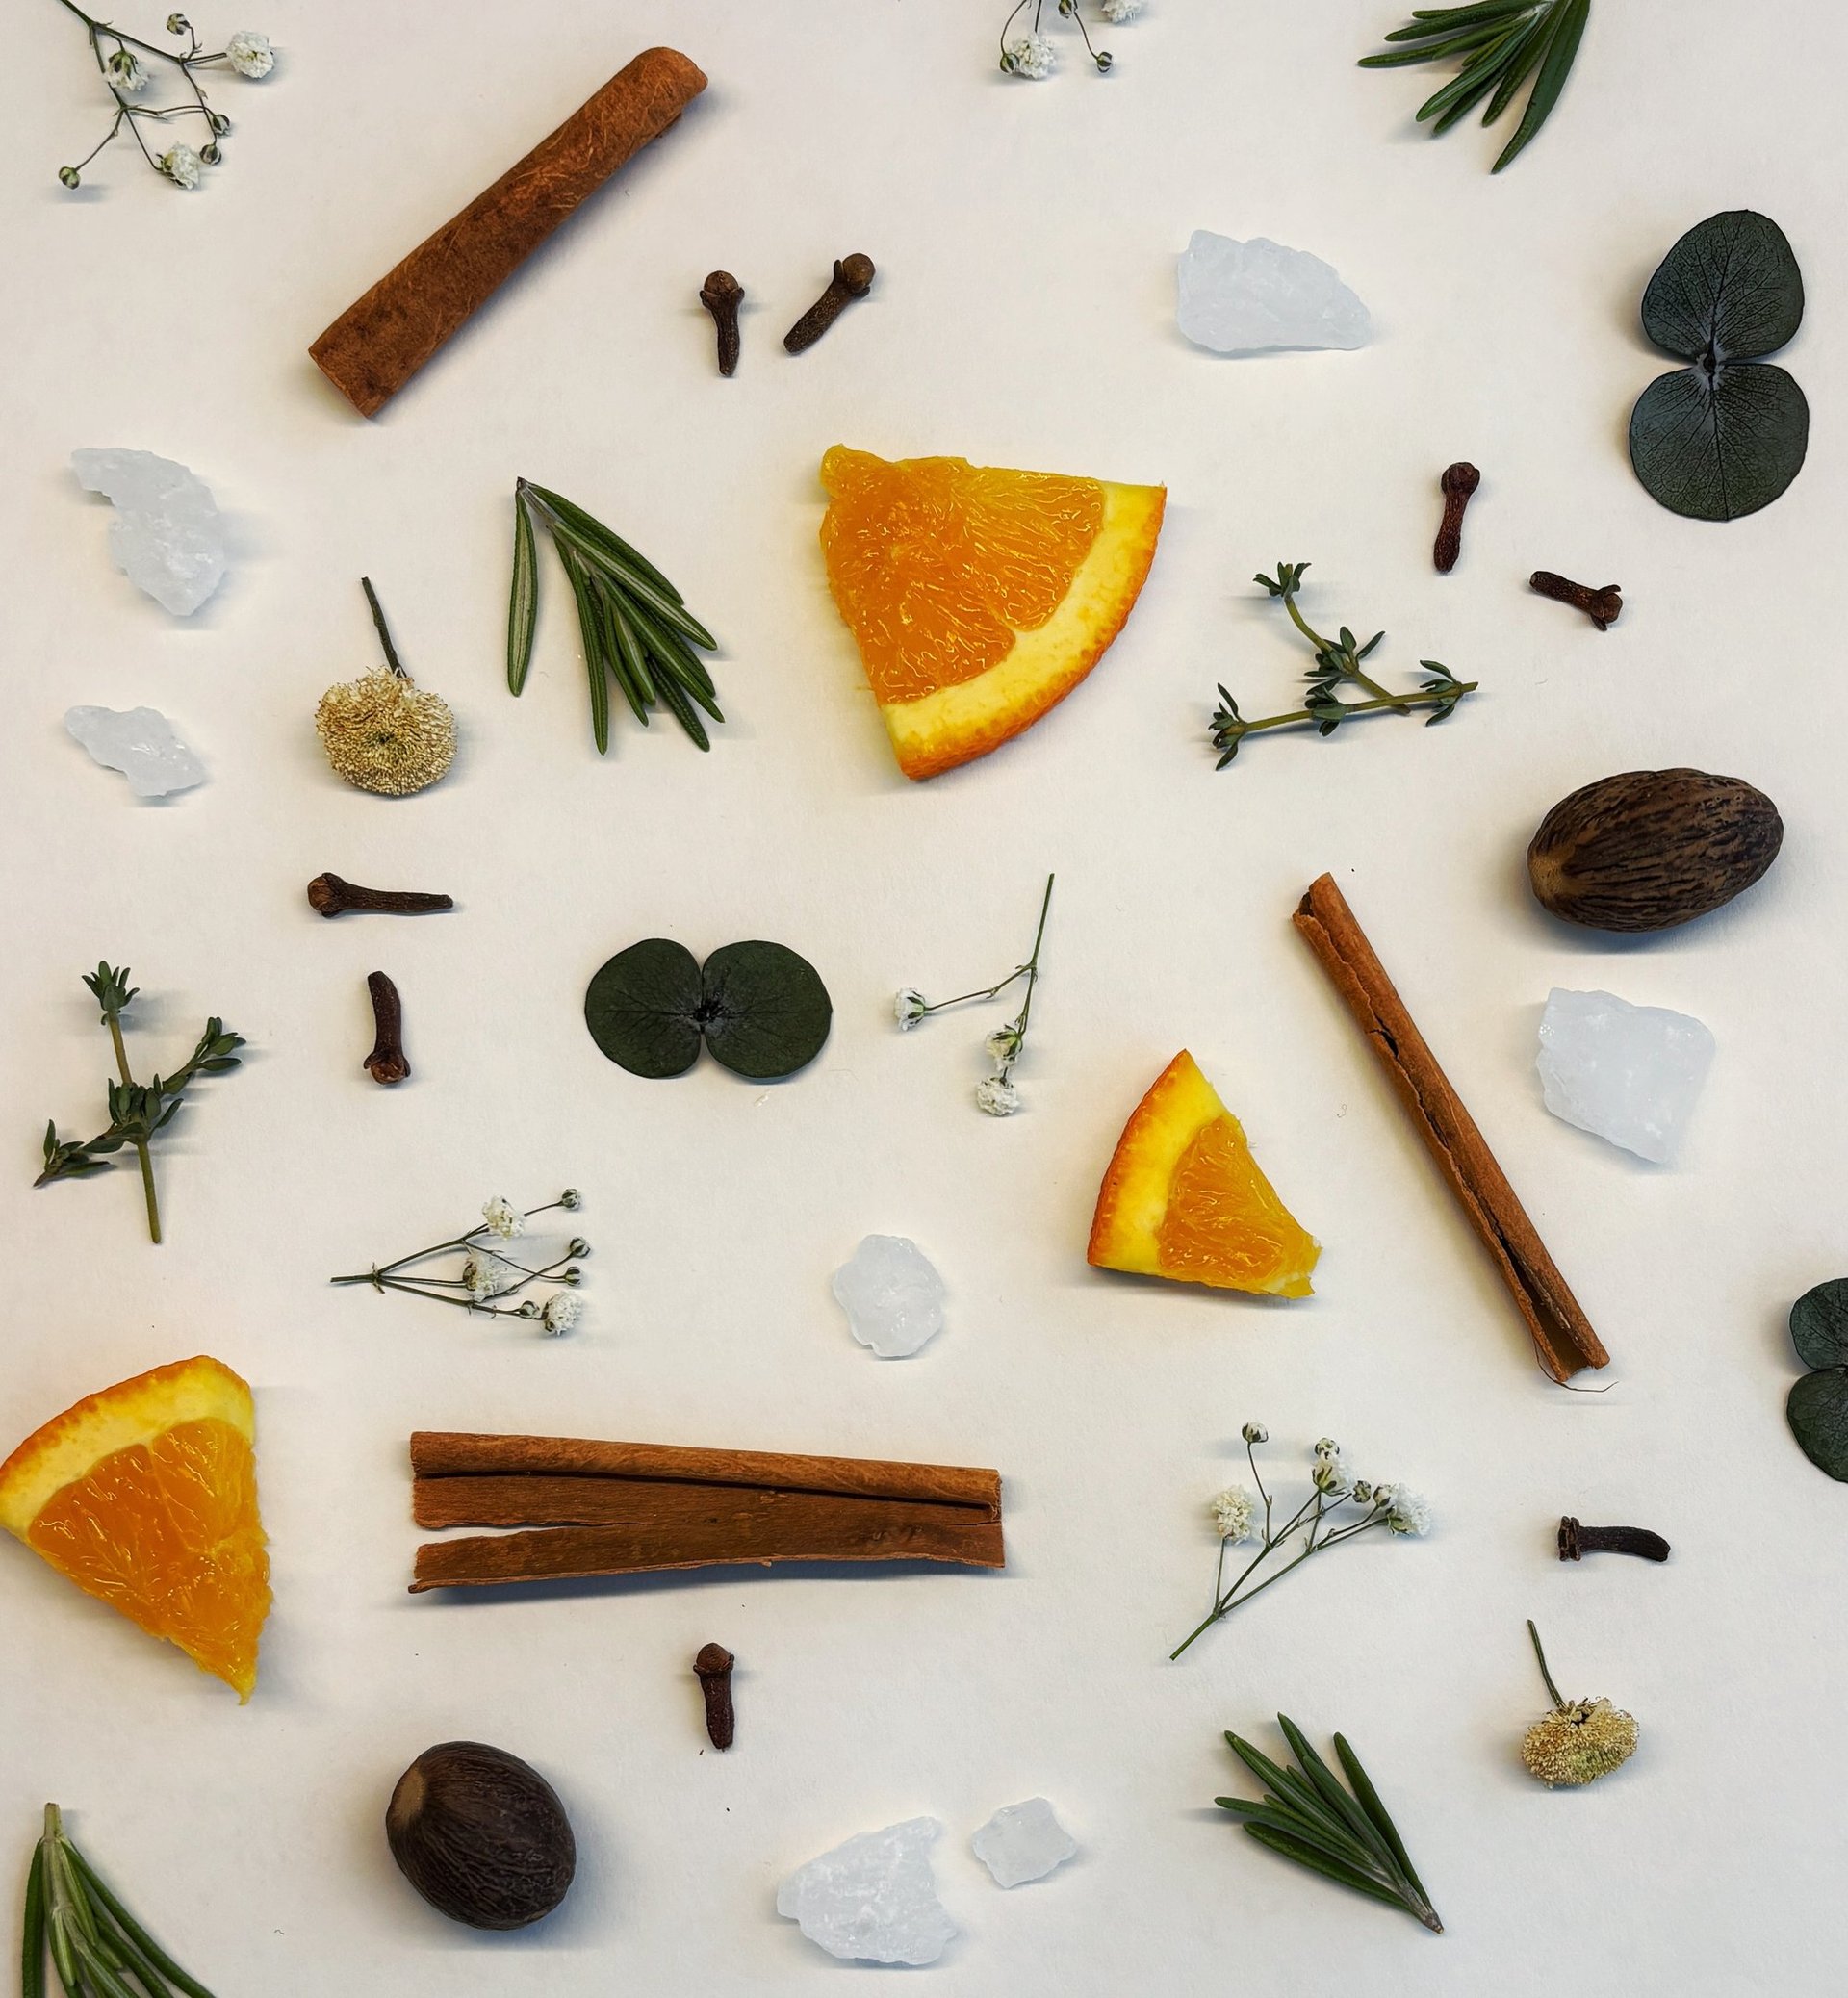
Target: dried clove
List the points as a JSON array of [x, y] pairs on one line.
[[330, 896], [722, 295], [1602, 606], [853, 279], [1458, 482], [387, 1063], [713, 1664], [1577, 1540]]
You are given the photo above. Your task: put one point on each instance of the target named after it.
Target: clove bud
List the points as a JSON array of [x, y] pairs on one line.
[[714, 1665]]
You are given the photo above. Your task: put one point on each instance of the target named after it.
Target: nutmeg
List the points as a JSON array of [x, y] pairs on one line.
[[481, 1835], [1649, 849]]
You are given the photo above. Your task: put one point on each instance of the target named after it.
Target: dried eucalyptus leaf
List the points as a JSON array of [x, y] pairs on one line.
[[1819, 1324], [1724, 436], [1729, 290], [643, 1007], [1818, 1414], [1716, 447], [765, 1009]]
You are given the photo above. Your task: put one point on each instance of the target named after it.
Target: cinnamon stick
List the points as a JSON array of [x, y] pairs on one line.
[[1562, 1334], [377, 344], [627, 1508], [441, 1454]]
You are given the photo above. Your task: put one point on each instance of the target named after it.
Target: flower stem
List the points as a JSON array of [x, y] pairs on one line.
[[1542, 1656]]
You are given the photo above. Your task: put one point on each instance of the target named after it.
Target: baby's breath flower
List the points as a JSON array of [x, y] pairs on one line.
[[504, 1219], [126, 72], [1234, 1512], [997, 1095], [249, 53], [182, 166], [1117, 11], [561, 1313], [1363, 1491], [1004, 1044], [1031, 56], [1407, 1513], [1327, 1447], [487, 1276], [577, 1246], [571, 1197], [1255, 1432], [908, 1009], [1331, 1475]]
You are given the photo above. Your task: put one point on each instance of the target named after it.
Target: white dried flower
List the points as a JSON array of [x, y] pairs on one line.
[[561, 1313], [126, 72], [1332, 1476], [182, 166], [1117, 11], [908, 1009], [1327, 1447], [249, 53], [571, 1197], [1255, 1432], [1363, 1491], [505, 1218], [487, 1276], [1406, 1512], [1234, 1513], [997, 1095], [1004, 1044], [1031, 56]]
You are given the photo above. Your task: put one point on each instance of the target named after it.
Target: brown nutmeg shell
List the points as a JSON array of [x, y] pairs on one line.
[[481, 1835], [1650, 849]]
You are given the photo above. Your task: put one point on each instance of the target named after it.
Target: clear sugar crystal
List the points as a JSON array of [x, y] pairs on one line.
[[1259, 296], [1629, 1073], [892, 1295], [874, 1898], [167, 536], [1023, 1842]]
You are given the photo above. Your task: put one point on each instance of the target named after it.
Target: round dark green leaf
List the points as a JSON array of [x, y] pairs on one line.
[[1729, 290], [1818, 1414], [1716, 446], [765, 1009], [1819, 1324], [643, 1007]]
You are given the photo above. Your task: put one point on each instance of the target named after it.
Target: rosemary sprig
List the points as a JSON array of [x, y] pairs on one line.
[[1498, 44], [97, 1948], [136, 1111], [1308, 1817], [1337, 664], [634, 624]]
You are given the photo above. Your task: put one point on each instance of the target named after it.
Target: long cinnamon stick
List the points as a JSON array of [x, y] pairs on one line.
[[377, 344], [716, 1527], [442, 1453], [1562, 1334]]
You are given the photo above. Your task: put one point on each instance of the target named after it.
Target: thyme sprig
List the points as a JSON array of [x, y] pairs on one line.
[[1337, 664], [1498, 44], [136, 1111], [1308, 1817], [635, 626], [97, 1948], [119, 61]]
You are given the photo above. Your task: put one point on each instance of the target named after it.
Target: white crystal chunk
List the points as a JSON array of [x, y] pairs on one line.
[[873, 1899], [167, 536], [141, 743], [892, 1295], [1627, 1073], [1260, 297], [1023, 1842]]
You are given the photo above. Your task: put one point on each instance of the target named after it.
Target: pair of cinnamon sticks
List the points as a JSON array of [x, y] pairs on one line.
[[1562, 1335], [632, 1508]]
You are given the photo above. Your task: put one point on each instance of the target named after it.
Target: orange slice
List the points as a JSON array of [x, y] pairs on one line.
[[145, 1495], [1184, 1198], [979, 596]]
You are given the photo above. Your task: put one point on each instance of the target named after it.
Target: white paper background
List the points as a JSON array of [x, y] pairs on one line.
[[1022, 317]]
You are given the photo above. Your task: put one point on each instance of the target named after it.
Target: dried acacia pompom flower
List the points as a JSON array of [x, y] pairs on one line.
[[1579, 1740], [382, 732]]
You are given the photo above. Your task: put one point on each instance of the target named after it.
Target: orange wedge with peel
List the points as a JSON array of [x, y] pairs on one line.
[[1184, 1198], [979, 596], [145, 1495]]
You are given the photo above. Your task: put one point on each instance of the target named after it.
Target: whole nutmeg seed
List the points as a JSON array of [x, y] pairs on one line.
[[1650, 849], [481, 1835]]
